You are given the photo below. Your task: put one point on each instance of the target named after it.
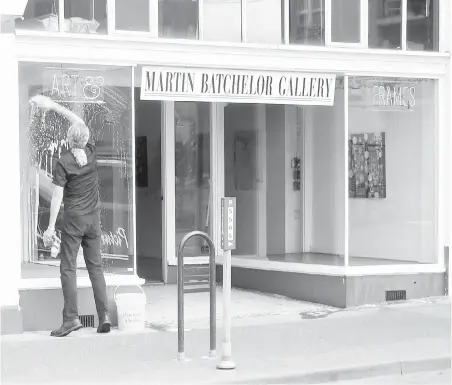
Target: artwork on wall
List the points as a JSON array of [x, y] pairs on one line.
[[367, 166]]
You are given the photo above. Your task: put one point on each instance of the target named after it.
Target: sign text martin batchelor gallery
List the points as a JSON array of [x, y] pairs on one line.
[[271, 87]]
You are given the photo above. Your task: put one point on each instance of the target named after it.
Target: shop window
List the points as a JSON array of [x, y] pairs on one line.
[[132, 15], [422, 25], [346, 21], [307, 22], [263, 21], [85, 16], [392, 178], [178, 19], [40, 15], [101, 96], [193, 177], [222, 20]]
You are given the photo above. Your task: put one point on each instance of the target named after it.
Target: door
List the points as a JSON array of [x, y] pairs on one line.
[[193, 187]]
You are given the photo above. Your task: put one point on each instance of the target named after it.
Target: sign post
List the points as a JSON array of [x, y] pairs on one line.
[[228, 243]]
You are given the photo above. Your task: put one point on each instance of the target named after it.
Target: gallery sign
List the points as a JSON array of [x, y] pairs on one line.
[[216, 85]]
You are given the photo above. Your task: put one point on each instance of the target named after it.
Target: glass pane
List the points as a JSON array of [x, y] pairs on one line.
[[178, 19], [241, 168], [392, 130], [132, 15], [263, 147], [307, 22], [192, 152], [423, 25], [40, 15], [385, 24], [263, 21], [101, 96], [85, 16], [345, 21], [222, 20]]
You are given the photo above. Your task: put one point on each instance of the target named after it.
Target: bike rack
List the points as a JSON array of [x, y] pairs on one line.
[[195, 282]]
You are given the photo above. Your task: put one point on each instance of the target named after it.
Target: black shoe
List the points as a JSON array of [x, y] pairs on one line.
[[67, 328], [104, 324]]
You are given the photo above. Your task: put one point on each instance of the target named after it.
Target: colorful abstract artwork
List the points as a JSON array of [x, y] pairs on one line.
[[367, 166]]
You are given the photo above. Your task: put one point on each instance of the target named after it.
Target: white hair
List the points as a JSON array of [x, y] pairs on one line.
[[78, 136]]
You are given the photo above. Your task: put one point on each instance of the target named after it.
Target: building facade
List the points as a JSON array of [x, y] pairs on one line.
[[329, 121]]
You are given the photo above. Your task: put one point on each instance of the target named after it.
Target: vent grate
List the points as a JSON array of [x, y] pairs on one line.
[[87, 321], [395, 295]]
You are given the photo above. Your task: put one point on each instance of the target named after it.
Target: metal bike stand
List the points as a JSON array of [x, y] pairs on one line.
[[195, 282]]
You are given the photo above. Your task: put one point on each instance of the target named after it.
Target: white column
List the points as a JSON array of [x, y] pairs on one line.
[[10, 226], [262, 181], [346, 200], [168, 179]]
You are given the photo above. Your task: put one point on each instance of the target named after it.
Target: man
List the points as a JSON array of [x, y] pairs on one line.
[[76, 183]]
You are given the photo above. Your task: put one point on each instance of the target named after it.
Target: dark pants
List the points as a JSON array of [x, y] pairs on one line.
[[82, 230]]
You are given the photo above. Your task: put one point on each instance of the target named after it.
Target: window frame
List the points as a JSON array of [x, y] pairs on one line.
[[363, 27]]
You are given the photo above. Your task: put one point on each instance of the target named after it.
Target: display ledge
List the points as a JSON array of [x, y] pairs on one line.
[[82, 282], [250, 263]]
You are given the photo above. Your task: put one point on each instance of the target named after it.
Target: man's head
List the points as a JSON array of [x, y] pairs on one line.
[[78, 136]]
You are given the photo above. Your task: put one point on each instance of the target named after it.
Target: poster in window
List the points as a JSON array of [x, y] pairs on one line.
[[367, 166]]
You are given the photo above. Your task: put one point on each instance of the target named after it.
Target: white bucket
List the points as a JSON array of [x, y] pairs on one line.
[[131, 310]]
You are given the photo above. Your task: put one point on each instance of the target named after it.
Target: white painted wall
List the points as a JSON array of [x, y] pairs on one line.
[[324, 183]]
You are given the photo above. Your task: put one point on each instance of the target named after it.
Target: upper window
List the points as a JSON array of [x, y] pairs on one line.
[[376, 24], [85, 16], [132, 15], [404, 24], [422, 25], [307, 22], [40, 15]]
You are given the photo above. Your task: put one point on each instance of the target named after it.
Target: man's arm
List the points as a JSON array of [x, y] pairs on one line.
[[48, 104], [57, 198]]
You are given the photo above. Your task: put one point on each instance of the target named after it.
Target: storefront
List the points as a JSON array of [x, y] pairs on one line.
[[338, 156]]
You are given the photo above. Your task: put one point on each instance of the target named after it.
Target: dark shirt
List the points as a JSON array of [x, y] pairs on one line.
[[81, 185]]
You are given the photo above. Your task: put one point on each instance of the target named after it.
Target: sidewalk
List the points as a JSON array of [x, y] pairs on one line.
[[285, 348]]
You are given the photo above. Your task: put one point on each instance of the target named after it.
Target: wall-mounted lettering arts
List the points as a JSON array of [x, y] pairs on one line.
[[71, 87], [197, 84]]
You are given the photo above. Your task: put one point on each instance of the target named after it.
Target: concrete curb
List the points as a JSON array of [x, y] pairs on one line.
[[397, 368]]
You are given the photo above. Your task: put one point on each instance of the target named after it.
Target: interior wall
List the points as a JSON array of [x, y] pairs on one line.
[[293, 206], [402, 226], [149, 199], [276, 179], [324, 178]]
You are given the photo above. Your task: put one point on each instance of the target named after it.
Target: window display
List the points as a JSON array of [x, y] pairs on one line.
[[102, 98], [392, 133]]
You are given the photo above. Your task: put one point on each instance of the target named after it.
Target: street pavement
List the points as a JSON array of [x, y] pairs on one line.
[[427, 378], [290, 342]]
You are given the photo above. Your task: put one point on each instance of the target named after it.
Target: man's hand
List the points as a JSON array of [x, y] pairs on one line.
[[43, 102], [48, 237]]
